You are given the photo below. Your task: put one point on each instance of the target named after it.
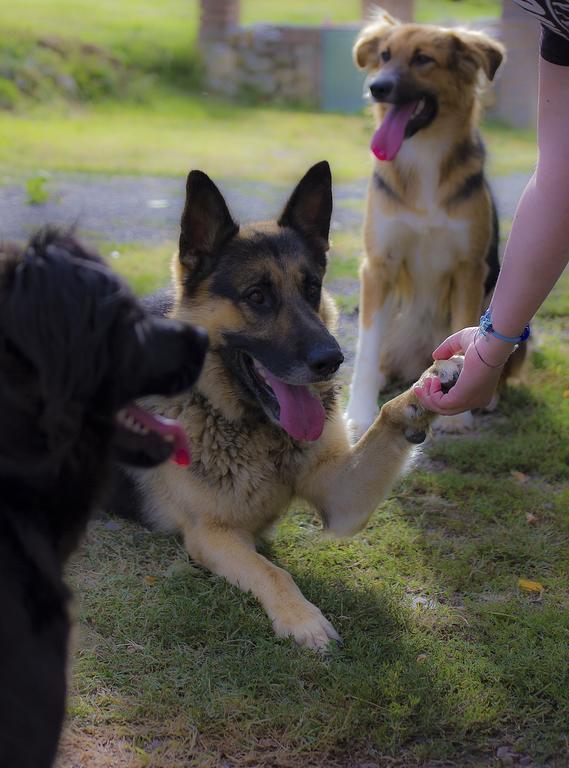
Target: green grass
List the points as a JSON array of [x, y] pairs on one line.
[[145, 266], [475, 663], [141, 23], [173, 134]]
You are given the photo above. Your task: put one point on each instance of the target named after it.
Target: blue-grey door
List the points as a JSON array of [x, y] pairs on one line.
[[341, 83]]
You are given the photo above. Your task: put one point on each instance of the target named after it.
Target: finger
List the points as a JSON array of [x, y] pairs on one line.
[[421, 396], [432, 397], [449, 347]]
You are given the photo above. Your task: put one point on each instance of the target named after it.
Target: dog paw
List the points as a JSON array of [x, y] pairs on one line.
[[309, 628], [409, 414], [447, 371], [493, 404], [454, 425]]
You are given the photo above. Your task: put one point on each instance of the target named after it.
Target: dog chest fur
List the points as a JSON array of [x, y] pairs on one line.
[[243, 469]]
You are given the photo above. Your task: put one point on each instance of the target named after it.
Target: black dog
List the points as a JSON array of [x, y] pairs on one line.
[[76, 349]]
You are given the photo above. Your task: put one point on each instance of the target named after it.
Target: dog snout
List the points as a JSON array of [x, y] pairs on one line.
[[324, 360], [382, 88]]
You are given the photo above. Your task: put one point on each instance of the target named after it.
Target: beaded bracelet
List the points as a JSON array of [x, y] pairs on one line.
[[486, 327]]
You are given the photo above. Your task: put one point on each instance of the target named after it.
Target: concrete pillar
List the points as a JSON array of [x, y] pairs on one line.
[[218, 18], [404, 10], [517, 84]]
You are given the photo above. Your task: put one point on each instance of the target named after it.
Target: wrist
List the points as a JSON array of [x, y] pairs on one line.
[[494, 351], [488, 328], [506, 326]]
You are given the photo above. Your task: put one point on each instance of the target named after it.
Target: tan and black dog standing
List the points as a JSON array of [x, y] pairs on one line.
[[431, 230], [264, 421]]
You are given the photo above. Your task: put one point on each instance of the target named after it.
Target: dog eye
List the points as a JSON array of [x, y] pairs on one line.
[[421, 58], [255, 296], [385, 55]]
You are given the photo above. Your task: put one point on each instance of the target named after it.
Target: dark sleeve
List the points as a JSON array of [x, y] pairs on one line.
[[554, 48]]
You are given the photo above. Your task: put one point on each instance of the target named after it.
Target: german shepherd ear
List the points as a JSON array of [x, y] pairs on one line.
[[309, 208], [206, 222], [366, 47], [479, 51]]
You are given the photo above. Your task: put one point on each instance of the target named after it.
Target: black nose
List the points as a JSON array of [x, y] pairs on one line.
[[325, 360], [381, 88]]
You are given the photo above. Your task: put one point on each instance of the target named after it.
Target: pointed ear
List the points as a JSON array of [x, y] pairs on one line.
[[480, 51], [206, 223], [309, 208], [366, 47]]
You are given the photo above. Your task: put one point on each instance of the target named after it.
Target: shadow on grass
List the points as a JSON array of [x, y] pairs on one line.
[[179, 649]]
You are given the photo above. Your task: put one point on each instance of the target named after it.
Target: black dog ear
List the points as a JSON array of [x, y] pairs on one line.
[[309, 208], [206, 222]]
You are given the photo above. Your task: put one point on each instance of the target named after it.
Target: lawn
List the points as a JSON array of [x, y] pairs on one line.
[[174, 22], [174, 134], [448, 661], [446, 658]]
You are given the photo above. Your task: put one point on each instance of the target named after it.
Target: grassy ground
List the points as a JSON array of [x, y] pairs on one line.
[[174, 134], [445, 657], [174, 22]]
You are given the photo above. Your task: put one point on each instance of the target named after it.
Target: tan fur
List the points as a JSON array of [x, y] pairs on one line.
[[246, 470], [425, 247]]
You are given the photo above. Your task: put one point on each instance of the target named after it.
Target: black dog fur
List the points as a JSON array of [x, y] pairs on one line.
[[76, 347]]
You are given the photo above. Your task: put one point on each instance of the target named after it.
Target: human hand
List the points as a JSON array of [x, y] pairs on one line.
[[477, 382]]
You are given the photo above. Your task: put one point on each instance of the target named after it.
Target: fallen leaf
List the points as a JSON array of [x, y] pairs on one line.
[[421, 658], [530, 586], [519, 476], [150, 580], [531, 519]]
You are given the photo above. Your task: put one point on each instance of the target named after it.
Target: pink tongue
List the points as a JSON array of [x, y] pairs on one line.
[[388, 138], [165, 428], [302, 414]]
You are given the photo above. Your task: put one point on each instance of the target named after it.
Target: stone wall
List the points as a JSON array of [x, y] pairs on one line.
[[282, 63], [277, 63]]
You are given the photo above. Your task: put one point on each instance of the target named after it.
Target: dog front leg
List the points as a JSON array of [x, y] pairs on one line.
[[347, 484], [467, 293], [376, 309], [230, 552]]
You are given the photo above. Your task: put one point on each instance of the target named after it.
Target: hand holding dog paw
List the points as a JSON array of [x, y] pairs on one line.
[[409, 413], [475, 385]]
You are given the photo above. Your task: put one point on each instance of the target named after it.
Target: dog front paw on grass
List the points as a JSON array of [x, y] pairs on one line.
[[308, 627]]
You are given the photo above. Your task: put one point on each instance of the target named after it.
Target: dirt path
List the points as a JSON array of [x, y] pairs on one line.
[[147, 208]]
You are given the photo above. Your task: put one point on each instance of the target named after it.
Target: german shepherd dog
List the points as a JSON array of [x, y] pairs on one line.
[[264, 419], [431, 229], [76, 349]]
